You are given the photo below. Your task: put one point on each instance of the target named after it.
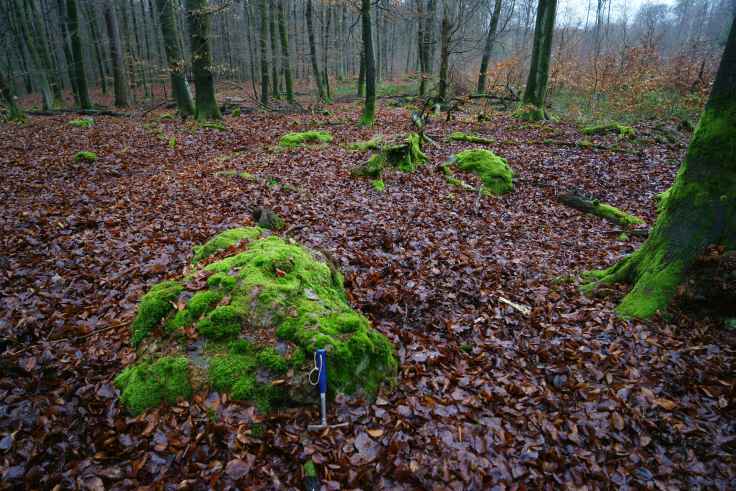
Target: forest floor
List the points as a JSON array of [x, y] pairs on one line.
[[567, 395]]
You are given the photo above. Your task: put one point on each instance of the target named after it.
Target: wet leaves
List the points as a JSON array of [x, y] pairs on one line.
[[562, 395]]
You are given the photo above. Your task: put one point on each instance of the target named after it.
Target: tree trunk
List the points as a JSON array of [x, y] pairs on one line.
[[64, 22], [536, 85], [313, 52], [285, 66], [369, 109], [263, 45], [444, 52], [120, 79], [274, 50], [81, 78], [488, 49], [36, 51], [361, 74], [8, 95], [175, 58], [198, 16], [95, 32], [699, 209], [421, 48]]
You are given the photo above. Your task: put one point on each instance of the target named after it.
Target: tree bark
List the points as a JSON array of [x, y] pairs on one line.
[[285, 66], [536, 85], [175, 58], [64, 22], [95, 32], [699, 209], [8, 95], [263, 45], [35, 49], [72, 13], [274, 50], [444, 52], [198, 17], [369, 108], [422, 50], [313, 52], [120, 79], [488, 49]]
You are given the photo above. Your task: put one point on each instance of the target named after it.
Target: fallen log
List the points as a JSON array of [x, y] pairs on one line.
[[575, 199]]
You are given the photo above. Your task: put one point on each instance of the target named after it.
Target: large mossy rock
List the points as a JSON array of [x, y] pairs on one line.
[[494, 171], [248, 324]]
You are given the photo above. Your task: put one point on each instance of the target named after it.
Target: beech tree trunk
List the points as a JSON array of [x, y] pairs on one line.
[[72, 13], [174, 58], [536, 85], [285, 66], [263, 45], [8, 95], [699, 209], [274, 50], [313, 52], [369, 108], [488, 49], [198, 17], [422, 50], [444, 52], [119, 75], [28, 33]]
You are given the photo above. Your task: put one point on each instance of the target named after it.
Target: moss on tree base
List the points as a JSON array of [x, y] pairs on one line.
[[247, 324], [622, 130], [406, 155]]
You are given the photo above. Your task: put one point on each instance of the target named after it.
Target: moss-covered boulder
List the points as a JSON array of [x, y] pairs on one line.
[[247, 324], [494, 171], [623, 131]]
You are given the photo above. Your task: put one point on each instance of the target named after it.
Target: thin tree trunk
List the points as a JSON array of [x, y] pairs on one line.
[[369, 109], [78, 55], [285, 66], [699, 209], [41, 79], [263, 45], [313, 52], [95, 32], [536, 85], [120, 79], [488, 49], [421, 48], [65, 42], [274, 50], [250, 29], [8, 95], [175, 58], [198, 17], [445, 52]]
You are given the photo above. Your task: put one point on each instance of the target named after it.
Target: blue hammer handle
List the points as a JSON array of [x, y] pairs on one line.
[[322, 364]]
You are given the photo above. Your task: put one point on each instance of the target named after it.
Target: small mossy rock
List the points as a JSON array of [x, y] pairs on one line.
[[85, 156], [248, 324], [266, 218], [82, 123], [622, 130], [494, 171], [291, 140]]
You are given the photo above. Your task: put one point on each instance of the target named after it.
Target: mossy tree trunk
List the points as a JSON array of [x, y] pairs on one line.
[[536, 85], [263, 45], [174, 58], [27, 32], [119, 75], [72, 13], [488, 49], [274, 50], [313, 52], [285, 65], [198, 17], [7, 93], [369, 108], [698, 210], [444, 51]]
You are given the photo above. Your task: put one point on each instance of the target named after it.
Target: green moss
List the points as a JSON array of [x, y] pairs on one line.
[[407, 156], [622, 130], [224, 322], [221, 280], [494, 172], [166, 117], [153, 307], [460, 136], [291, 140], [235, 112], [247, 176], [372, 144], [86, 156], [147, 384], [172, 142], [584, 143], [529, 112], [82, 123], [611, 212], [222, 241], [378, 185], [309, 469], [272, 360], [202, 302], [213, 125]]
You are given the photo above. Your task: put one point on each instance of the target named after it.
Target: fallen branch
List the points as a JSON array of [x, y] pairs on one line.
[[576, 200], [70, 339], [85, 112]]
